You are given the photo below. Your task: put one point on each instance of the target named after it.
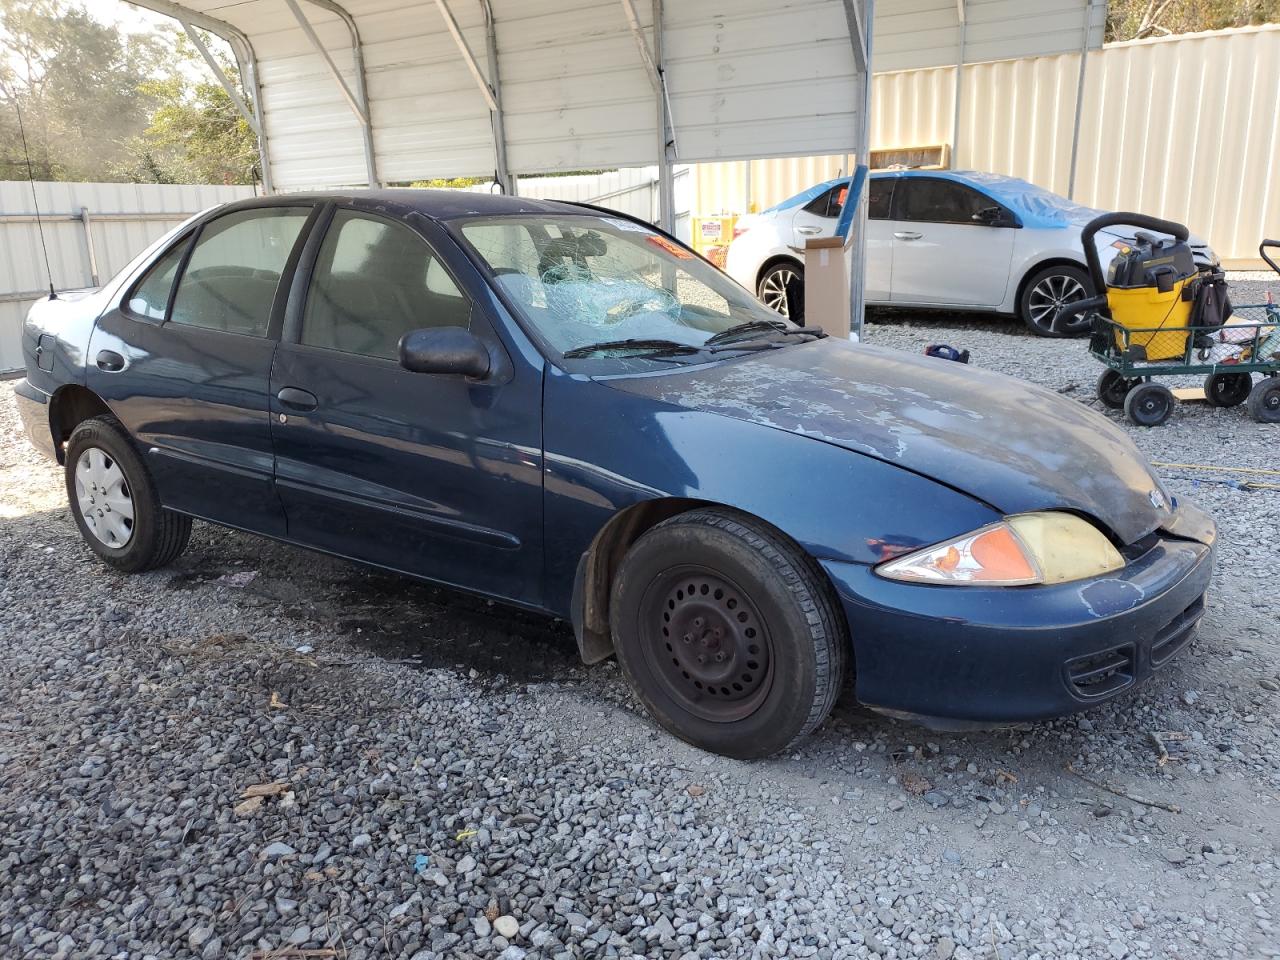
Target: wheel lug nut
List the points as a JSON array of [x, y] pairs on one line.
[[719, 658]]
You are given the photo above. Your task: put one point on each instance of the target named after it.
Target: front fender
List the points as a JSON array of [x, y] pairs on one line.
[[607, 450]]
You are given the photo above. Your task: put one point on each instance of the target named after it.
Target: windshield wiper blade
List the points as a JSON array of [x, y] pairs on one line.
[[652, 348], [743, 331]]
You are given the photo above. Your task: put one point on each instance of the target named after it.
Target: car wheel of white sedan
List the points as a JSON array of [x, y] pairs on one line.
[[772, 289], [1046, 292]]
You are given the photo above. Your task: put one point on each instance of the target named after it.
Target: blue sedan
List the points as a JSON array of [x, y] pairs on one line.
[[563, 409]]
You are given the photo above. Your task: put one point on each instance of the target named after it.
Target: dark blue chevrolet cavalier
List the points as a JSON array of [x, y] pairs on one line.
[[563, 409]]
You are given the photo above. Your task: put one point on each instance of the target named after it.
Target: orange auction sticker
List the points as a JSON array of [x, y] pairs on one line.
[[672, 248]]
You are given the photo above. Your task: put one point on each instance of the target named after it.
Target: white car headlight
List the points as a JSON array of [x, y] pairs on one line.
[[1047, 547]]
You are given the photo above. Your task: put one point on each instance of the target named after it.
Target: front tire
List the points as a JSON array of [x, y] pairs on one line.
[[728, 633], [1047, 291], [114, 501], [772, 288]]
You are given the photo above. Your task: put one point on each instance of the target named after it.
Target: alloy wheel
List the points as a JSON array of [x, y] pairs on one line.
[[104, 498], [773, 289], [1052, 294]]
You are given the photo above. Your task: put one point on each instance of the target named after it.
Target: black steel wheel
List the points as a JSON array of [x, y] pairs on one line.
[[729, 633], [1149, 404], [1113, 388], [1227, 389], [1264, 400]]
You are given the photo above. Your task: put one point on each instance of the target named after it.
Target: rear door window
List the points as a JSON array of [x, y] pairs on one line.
[[374, 281], [925, 200], [230, 282], [149, 297], [828, 204]]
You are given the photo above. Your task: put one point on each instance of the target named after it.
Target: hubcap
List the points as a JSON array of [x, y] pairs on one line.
[[773, 290], [1052, 294], [707, 645], [104, 498]]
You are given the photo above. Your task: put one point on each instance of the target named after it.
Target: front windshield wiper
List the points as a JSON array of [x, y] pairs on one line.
[[643, 347], [743, 331]]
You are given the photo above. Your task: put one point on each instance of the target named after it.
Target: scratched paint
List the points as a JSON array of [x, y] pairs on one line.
[[1008, 443]]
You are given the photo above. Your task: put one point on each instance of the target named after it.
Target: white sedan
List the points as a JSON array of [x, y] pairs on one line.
[[938, 239]]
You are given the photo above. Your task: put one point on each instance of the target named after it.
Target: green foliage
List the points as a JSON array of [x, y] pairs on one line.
[[78, 83], [1138, 19], [101, 104], [450, 183]]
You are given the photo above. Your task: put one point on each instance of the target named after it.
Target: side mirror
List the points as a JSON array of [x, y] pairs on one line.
[[991, 217], [444, 350]]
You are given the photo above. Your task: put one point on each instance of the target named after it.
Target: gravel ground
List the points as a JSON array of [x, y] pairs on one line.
[[439, 777]]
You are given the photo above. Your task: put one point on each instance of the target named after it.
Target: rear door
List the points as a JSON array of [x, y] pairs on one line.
[[941, 252], [184, 363], [433, 475], [879, 275]]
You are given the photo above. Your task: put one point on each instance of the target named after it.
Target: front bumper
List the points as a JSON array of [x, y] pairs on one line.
[[954, 657], [33, 408]]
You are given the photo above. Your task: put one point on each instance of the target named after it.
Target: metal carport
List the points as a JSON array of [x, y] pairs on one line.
[[374, 91]]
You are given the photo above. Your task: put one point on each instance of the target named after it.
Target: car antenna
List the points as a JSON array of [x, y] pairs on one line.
[[35, 202]]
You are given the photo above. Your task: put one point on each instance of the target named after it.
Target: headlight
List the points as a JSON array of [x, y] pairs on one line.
[[1027, 548]]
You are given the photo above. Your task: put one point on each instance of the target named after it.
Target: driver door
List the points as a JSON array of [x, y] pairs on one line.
[[433, 475]]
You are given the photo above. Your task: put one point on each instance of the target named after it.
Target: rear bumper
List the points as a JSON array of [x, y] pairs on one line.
[[965, 656], [33, 407]]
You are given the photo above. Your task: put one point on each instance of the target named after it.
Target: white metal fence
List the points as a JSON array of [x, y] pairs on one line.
[[91, 230], [1184, 127]]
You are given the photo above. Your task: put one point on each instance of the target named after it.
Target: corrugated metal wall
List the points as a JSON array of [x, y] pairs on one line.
[[1184, 127], [139, 214]]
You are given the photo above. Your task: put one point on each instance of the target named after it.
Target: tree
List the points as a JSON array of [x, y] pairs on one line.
[[1139, 19], [196, 134], [77, 82]]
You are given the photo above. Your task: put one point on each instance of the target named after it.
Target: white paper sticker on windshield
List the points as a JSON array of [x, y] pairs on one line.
[[625, 225]]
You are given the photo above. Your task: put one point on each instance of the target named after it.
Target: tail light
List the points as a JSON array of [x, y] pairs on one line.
[[739, 231]]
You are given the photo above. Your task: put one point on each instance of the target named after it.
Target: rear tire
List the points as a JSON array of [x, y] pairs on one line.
[[1048, 289], [1149, 404], [1227, 389], [98, 451], [728, 633], [772, 288], [1264, 400]]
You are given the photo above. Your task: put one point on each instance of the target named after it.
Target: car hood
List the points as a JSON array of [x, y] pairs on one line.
[[1010, 444]]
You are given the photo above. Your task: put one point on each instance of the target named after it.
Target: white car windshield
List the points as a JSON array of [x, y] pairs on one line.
[[587, 283]]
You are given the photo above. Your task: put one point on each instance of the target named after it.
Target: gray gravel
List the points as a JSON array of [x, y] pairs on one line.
[[440, 778]]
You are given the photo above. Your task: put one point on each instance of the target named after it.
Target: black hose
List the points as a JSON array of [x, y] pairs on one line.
[[1176, 230]]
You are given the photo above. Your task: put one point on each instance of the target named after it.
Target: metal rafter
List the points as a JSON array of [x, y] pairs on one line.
[[246, 61], [358, 100], [497, 118], [858, 32], [468, 57], [222, 78]]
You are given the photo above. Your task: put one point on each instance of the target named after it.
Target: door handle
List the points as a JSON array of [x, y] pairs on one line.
[[297, 399], [907, 235], [808, 231], [110, 361]]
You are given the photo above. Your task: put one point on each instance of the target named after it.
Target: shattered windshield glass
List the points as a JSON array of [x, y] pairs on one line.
[[587, 281]]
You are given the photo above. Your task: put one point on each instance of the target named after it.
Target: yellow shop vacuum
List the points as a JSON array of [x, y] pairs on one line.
[[1151, 285]]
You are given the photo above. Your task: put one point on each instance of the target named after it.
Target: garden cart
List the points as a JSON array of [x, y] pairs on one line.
[[1159, 313]]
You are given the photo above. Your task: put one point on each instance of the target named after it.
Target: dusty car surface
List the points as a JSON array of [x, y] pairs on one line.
[[564, 409]]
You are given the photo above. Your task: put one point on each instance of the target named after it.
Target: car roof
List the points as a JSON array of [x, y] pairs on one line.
[[433, 204], [1035, 205]]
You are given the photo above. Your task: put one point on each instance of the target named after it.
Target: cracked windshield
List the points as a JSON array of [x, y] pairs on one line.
[[604, 286]]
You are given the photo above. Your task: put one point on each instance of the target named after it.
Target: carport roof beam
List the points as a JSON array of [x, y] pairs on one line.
[[858, 33], [216, 67], [246, 60], [465, 49], [358, 101]]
